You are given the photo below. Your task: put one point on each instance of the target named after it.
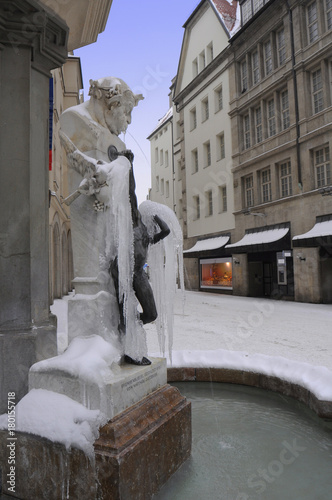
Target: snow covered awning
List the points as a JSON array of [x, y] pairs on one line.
[[261, 237], [208, 244], [320, 234]]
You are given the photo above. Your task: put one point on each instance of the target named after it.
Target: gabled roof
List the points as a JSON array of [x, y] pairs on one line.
[[167, 116], [227, 12]]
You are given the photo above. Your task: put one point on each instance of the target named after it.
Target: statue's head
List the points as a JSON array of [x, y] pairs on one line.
[[117, 100]]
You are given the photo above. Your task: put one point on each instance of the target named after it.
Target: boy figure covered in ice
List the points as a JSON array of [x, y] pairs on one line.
[[90, 135]]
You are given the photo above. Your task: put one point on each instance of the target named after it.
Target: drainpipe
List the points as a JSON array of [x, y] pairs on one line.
[[296, 97]]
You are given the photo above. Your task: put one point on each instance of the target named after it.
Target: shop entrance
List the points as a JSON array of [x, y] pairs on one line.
[[263, 276], [326, 275]]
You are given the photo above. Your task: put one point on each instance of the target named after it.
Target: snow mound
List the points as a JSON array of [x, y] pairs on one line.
[[57, 418], [87, 358], [317, 379]]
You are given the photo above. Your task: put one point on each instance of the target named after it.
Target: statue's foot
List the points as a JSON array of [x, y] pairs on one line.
[[143, 362]]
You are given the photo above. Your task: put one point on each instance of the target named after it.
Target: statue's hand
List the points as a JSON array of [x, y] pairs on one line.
[[89, 186]]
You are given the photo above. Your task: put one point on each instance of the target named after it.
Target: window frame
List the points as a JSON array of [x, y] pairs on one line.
[[266, 185], [285, 179], [323, 175]]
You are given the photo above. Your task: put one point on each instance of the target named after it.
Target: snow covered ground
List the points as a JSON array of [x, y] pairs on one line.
[[290, 340]]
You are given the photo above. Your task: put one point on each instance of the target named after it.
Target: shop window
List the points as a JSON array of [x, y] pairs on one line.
[[216, 273]]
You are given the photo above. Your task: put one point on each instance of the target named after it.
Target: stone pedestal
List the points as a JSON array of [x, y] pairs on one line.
[[128, 384], [136, 453]]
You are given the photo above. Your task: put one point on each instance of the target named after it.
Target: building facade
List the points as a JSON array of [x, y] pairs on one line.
[[281, 114], [65, 91], [202, 152], [252, 178]]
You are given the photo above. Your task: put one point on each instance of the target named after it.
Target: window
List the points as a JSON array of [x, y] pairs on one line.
[[193, 119], [257, 5], [194, 160], [220, 147], [207, 154], [156, 156], [180, 170], [258, 124], [246, 129], [281, 47], [197, 208], [285, 173], [266, 185], [166, 158], [312, 22], [218, 99], [216, 273], [322, 167], [249, 191], [162, 186], [208, 203], [178, 129], [329, 14], [285, 109], [205, 110], [167, 189], [202, 61], [157, 183], [210, 52], [271, 118], [317, 91], [246, 11], [195, 67], [255, 67], [244, 76], [161, 157], [222, 199], [268, 57]]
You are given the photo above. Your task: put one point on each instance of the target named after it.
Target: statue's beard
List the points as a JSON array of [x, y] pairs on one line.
[[114, 126]]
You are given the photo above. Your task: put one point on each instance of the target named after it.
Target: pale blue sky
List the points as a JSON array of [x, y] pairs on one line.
[[141, 44]]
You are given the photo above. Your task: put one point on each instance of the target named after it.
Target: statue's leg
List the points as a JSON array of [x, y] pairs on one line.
[[144, 296], [114, 271]]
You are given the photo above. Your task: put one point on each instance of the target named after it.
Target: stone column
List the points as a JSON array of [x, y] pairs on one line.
[[32, 42], [307, 275], [240, 276]]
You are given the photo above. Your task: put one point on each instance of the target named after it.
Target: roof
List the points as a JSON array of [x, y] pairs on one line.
[[261, 237], [229, 11], [167, 116], [208, 244]]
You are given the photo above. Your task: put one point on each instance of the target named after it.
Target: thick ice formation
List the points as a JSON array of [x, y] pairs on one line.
[[165, 261]]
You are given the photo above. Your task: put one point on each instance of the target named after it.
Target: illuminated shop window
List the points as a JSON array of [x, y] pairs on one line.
[[216, 273]]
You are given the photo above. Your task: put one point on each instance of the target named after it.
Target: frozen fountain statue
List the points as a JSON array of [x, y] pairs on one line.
[[111, 235], [103, 409]]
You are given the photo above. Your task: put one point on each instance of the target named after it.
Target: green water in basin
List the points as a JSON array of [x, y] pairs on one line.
[[252, 444]]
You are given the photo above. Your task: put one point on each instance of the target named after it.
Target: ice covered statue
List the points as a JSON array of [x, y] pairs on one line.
[[111, 235]]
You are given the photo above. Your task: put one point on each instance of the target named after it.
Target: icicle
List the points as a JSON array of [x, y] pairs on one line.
[[165, 261]]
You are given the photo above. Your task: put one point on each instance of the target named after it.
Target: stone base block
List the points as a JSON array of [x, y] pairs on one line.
[[136, 453], [128, 385], [140, 449]]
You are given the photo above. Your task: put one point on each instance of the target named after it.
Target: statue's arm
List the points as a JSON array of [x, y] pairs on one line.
[[164, 230]]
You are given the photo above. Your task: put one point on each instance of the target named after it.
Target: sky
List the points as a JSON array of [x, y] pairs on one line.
[[141, 44]]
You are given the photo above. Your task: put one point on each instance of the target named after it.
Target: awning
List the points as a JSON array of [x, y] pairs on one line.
[[320, 234], [260, 237], [208, 244]]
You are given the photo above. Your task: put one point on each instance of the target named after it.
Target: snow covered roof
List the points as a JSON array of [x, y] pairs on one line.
[[208, 244], [162, 121], [261, 237], [229, 11], [320, 229]]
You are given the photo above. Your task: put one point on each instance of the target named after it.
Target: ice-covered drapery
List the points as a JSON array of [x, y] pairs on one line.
[[165, 261]]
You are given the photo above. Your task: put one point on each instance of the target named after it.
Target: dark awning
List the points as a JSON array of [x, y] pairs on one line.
[[319, 235], [262, 239], [206, 245]]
